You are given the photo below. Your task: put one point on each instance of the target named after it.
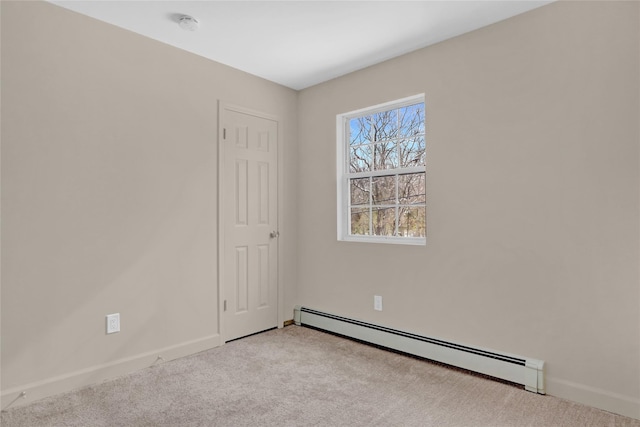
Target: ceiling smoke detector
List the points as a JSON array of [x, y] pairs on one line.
[[188, 23]]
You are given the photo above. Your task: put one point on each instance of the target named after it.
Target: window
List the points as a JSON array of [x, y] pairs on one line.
[[381, 173]]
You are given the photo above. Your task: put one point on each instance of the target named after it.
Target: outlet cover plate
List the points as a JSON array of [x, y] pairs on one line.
[[113, 323], [377, 302]]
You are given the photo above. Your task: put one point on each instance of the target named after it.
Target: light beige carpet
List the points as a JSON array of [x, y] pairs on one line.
[[301, 377]]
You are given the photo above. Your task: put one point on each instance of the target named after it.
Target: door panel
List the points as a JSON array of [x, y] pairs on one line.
[[249, 216]]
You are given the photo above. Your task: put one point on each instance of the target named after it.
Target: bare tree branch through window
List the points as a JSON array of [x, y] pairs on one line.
[[386, 177]]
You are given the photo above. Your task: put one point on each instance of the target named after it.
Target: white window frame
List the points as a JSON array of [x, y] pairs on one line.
[[343, 175]]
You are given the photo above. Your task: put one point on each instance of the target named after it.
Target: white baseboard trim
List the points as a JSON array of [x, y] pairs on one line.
[[103, 372], [591, 396]]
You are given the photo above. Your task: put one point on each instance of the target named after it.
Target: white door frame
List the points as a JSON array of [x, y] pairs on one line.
[[222, 105]]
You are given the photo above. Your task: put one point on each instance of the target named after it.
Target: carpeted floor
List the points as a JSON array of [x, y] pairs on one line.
[[302, 377]]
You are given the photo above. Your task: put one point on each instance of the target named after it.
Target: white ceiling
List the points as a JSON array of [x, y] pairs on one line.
[[301, 43]]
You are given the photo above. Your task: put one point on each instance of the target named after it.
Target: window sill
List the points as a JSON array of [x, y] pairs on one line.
[[412, 241]]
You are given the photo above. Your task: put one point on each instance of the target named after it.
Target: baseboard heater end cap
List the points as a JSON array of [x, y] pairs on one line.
[[534, 381], [296, 315]]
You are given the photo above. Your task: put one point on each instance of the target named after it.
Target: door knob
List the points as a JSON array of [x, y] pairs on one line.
[[274, 234]]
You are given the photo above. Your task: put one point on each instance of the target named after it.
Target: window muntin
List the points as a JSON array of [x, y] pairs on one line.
[[382, 173]]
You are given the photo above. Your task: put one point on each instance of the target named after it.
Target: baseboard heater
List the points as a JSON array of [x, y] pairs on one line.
[[509, 367]]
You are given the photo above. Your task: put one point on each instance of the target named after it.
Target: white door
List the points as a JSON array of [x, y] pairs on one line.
[[249, 218]]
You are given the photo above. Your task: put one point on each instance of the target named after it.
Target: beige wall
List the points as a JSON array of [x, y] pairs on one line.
[[109, 197], [533, 184]]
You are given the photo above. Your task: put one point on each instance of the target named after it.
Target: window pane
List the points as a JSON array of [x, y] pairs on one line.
[[386, 156], [360, 158], [359, 190], [383, 190], [359, 130], [412, 152], [384, 173], [412, 221], [411, 120], [411, 189], [385, 125], [360, 221], [383, 221]]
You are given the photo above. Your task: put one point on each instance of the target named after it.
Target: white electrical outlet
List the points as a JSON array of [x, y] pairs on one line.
[[113, 323], [377, 302]]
